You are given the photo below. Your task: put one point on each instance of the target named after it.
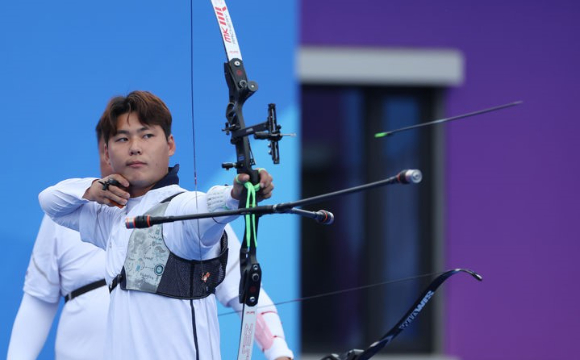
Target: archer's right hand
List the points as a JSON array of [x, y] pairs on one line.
[[110, 191]]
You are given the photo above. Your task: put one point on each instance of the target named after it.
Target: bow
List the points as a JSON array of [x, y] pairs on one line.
[[240, 89]]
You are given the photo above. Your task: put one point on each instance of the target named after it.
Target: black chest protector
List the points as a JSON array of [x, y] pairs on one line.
[[151, 267]]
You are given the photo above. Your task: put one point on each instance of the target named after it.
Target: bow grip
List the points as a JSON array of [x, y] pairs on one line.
[[254, 179]]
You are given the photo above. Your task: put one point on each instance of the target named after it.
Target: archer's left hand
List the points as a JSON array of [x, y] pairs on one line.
[[266, 185]]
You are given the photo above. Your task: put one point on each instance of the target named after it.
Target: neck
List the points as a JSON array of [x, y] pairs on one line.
[[140, 191], [170, 178]]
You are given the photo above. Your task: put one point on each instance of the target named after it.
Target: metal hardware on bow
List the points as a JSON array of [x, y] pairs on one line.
[[410, 315], [441, 121]]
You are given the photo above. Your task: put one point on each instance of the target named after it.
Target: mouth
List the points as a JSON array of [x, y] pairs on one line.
[[135, 164]]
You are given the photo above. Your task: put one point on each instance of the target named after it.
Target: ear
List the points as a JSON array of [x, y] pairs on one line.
[[171, 145], [106, 153]]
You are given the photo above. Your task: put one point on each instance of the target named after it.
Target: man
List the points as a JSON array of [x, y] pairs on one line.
[[62, 265], [157, 309]]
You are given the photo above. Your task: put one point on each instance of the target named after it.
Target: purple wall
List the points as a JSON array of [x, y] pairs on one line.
[[512, 202]]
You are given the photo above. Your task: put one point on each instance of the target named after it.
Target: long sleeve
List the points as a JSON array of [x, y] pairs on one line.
[[219, 198], [63, 201], [207, 232], [31, 327]]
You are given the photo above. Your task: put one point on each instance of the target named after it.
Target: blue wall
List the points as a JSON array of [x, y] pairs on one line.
[[60, 62]]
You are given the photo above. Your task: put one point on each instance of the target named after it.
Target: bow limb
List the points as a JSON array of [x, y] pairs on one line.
[[405, 321]]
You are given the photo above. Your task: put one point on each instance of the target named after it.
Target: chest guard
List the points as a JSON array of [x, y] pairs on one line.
[[151, 267]]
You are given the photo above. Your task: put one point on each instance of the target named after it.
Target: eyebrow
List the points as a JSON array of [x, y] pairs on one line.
[[127, 132]]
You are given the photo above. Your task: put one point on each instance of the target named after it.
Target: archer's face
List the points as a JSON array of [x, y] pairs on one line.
[[139, 153]]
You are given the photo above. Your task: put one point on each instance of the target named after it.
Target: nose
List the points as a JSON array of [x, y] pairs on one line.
[[135, 148]]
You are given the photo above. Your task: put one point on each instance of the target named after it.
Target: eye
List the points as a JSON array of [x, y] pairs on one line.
[[120, 139], [148, 135]]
